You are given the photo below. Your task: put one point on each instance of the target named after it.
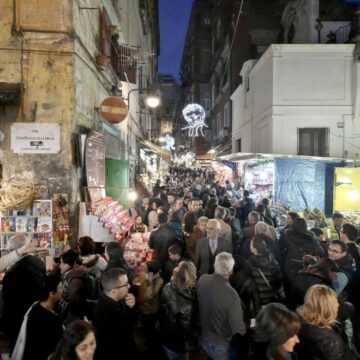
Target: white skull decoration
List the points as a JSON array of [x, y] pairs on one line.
[[194, 114]]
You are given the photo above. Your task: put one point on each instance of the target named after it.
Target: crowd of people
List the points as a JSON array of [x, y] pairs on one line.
[[225, 282]]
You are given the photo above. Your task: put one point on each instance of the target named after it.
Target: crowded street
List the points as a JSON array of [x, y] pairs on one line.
[[180, 179]]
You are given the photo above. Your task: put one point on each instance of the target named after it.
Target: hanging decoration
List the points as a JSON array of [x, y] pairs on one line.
[[169, 142], [194, 114]]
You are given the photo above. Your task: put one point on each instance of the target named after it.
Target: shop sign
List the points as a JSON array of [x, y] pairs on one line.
[[35, 138]]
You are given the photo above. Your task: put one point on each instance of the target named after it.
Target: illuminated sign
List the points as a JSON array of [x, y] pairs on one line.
[[194, 115], [169, 142]]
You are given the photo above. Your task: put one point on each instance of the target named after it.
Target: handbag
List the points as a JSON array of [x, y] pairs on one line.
[[279, 295], [18, 352]]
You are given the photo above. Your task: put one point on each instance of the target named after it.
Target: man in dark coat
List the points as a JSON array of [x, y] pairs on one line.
[[191, 217], [207, 248], [114, 318], [160, 240], [22, 285]]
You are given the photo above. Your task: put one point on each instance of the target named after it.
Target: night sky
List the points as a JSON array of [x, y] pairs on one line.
[[174, 17]]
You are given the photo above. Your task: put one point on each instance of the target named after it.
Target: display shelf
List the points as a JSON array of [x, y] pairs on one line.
[[37, 225]]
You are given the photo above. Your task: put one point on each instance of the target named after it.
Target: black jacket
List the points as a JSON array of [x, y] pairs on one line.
[[271, 271], [21, 288], [320, 344], [298, 244], [113, 322], [160, 240], [302, 282], [178, 319]]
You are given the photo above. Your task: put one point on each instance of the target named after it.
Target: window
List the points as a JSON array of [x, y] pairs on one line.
[[313, 141], [238, 145], [226, 116]]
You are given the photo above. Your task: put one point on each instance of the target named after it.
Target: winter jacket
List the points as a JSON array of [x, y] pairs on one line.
[[320, 344], [178, 319], [298, 244], [302, 282], [271, 271], [149, 295]]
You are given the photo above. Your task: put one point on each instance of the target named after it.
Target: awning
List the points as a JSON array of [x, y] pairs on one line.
[[165, 154]]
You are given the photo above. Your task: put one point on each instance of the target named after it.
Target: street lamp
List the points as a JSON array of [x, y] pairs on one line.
[[152, 98]]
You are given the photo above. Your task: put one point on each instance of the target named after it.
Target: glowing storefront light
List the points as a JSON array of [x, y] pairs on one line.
[[194, 114]]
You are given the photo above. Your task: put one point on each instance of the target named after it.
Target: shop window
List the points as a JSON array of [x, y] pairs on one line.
[[313, 141]]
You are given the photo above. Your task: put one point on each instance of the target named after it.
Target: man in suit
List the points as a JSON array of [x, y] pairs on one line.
[[207, 248]]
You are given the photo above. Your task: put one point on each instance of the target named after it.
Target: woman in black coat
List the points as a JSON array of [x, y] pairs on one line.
[[319, 336], [264, 270], [178, 311]]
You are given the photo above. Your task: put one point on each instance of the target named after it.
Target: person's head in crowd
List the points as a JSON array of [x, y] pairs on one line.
[[17, 241], [253, 218], [212, 192], [211, 203], [163, 218], [154, 205], [337, 250], [319, 234], [258, 246], [68, 260], [170, 199], [78, 342], [213, 229], [234, 202], [290, 218], [324, 267], [338, 219], [224, 264], [262, 227], [205, 199], [309, 260], [86, 245], [220, 212], [178, 203], [145, 201], [194, 205], [202, 222], [52, 288], [348, 233], [115, 283], [260, 209], [152, 267], [232, 213], [114, 251], [186, 201], [299, 225], [265, 202], [278, 326], [184, 276], [138, 220], [175, 217], [174, 252], [246, 193], [320, 306]]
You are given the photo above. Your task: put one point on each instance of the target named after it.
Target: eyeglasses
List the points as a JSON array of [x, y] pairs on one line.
[[334, 251], [121, 286]]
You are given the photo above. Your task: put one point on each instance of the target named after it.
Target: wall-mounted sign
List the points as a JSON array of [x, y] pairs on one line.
[[35, 138], [194, 114], [113, 109]]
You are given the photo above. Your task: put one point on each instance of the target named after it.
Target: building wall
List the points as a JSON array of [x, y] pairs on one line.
[[320, 93], [38, 52]]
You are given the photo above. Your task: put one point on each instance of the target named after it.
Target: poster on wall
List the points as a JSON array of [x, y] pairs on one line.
[[35, 138]]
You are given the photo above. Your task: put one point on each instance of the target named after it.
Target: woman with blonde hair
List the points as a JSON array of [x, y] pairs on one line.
[[320, 336], [178, 312]]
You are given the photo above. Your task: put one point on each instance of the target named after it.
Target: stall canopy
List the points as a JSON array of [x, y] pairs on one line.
[[165, 154]]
